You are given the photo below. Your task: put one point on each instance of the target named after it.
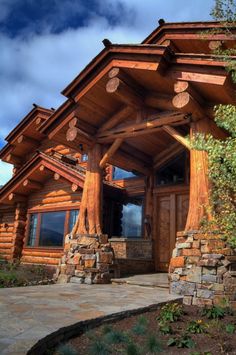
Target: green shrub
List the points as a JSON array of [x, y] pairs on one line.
[[165, 328], [132, 349], [153, 345], [214, 312], [230, 328], [115, 337], [171, 312], [183, 341], [99, 347], [66, 349], [196, 327]]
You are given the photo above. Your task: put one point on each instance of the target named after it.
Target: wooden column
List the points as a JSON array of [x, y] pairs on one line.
[[19, 229], [199, 184], [148, 218], [90, 216]]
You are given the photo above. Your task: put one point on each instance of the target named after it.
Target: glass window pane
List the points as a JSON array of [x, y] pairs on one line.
[[119, 173], [52, 228], [173, 173], [32, 229], [72, 220], [132, 220]]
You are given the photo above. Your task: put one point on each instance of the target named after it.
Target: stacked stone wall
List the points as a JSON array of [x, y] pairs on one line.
[[203, 270], [87, 259]]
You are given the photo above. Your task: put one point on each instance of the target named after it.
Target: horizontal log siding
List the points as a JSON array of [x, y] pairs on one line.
[[53, 196], [7, 217]]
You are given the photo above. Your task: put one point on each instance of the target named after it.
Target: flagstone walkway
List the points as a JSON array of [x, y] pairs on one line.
[[28, 314]]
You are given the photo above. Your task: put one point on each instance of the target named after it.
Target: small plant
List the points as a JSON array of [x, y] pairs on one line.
[[196, 327], [171, 312], [215, 312], [200, 353], [183, 341], [99, 347], [153, 345], [106, 329], [132, 349], [66, 349], [165, 328], [141, 327], [230, 328], [115, 337]]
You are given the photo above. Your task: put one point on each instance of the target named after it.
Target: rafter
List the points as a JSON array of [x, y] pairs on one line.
[[184, 102], [177, 136], [111, 151], [124, 92], [115, 119], [167, 154]]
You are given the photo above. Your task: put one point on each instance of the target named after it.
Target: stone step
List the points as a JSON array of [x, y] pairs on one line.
[[149, 280]]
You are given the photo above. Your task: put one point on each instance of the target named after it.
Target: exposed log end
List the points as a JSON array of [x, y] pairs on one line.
[[213, 45], [106, 42], [71, 134], [181, 86], [181, 100], [113, 85], [114, 72]]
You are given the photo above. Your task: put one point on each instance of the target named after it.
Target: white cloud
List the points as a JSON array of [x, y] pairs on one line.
[[5, 172]]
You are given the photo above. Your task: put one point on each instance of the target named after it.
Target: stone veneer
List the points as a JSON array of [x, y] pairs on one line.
[[87, 259], [203, 269]]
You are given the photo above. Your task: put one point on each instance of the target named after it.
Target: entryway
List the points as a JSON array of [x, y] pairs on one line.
[[170, 215]]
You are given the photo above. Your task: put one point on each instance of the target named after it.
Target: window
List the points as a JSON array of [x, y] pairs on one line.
[[32, 229], [73, 216], [47, 229], [84, 157], [119, 174], [132, 219], [174, 172]]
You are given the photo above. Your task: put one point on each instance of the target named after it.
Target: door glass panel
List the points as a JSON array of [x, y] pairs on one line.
[[52, 228]]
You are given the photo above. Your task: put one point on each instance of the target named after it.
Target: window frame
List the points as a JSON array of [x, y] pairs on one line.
[[38, 228]]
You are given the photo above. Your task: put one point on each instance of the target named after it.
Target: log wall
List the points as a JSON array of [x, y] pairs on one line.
[[55, 195], [7, 216]]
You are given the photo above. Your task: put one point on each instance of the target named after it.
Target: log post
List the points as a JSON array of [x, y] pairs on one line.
[[90, 217], [19, 230], [199, 184]]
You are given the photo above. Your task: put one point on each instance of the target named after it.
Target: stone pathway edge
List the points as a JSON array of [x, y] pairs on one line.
[[65, 333]]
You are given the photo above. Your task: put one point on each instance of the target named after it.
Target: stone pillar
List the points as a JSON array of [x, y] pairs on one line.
[[203, 269], [87, 259]]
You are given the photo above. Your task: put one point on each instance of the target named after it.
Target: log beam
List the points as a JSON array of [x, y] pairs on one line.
[[24, 140], [149, 126], [113, 148], [14, 159], [177, 136], [159, 100], [117, 118], [125, 93], [31, 184], [184, 102], [14, 197]]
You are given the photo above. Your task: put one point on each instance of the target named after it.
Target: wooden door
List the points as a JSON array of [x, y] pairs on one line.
[[170, 215]]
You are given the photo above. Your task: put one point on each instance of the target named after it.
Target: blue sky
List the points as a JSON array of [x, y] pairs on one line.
[[45, 44]]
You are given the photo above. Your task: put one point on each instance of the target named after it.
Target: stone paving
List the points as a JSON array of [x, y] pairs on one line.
[[28, 314]]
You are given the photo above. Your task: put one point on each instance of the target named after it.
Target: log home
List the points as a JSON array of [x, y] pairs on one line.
[[130, 113]]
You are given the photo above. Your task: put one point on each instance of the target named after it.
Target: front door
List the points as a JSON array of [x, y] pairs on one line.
[[170, 215]]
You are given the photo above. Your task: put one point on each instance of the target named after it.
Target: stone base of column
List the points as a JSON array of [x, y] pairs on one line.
[[203, 270], [87, 259]]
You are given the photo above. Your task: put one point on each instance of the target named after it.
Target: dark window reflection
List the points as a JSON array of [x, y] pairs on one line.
[[33, 229], [173, 173], [72, 220], [52, 228], [132, 219]]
